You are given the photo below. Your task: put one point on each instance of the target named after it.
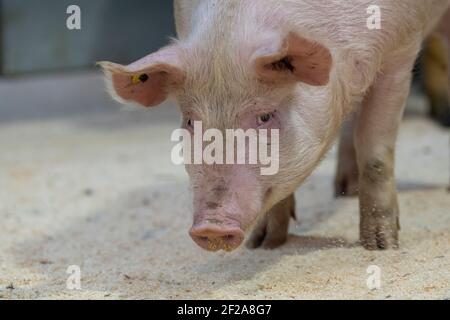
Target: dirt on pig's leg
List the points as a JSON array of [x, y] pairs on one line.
[[271, 232], [346, 181], [375, 138]]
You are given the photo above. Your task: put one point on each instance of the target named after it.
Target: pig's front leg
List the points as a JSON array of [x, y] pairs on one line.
[[346, 181], [271, 232], [375, 138]]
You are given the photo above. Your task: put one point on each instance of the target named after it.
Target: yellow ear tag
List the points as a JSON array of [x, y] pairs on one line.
[[139, 78], [135, 79]]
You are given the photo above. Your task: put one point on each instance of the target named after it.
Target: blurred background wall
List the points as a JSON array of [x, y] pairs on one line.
[[34, 36], [47, 71]]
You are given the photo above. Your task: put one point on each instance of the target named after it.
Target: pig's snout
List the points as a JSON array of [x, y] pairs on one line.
[[215, 237]]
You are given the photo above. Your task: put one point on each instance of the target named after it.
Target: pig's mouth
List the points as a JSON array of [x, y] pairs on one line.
[[215, 236]]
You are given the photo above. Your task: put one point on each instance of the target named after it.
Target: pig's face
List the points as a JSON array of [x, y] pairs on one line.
[[284, 87]]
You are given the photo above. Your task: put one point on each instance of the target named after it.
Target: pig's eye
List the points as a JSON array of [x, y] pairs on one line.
[[265, 118]]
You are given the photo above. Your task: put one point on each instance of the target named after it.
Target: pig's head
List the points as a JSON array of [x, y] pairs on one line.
[[275, 80]]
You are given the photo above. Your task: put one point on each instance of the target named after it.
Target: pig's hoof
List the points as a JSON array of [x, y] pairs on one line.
[[271, 232], [266, 240], [270, 243], [380, 233], [346, 184]]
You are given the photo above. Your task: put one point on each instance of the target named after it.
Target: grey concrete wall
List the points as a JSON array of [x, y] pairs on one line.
[[35, 37]]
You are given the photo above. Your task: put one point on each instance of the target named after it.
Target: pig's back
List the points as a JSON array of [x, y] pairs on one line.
[[345, 22]]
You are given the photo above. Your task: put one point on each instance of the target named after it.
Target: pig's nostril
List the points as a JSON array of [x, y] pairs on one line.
[[228, 237], [213, 238]]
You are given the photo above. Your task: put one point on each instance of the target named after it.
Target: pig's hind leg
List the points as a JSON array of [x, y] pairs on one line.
[[346, 181], [271, 232], [375, 138], [436, 77]]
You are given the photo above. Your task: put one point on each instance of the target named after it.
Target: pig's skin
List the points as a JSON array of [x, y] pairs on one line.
[[224, 70]]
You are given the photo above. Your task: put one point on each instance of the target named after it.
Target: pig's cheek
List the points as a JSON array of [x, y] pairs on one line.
[[188, 169], [273, 184], [193, 170]]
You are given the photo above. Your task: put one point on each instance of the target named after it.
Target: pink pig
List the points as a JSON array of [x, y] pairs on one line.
[[299, 66]]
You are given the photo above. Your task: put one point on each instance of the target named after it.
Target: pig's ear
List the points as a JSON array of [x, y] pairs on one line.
[[299, 59], [147, 81]]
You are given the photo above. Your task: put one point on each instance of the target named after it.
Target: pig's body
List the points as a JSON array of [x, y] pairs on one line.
[[305, 65]]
